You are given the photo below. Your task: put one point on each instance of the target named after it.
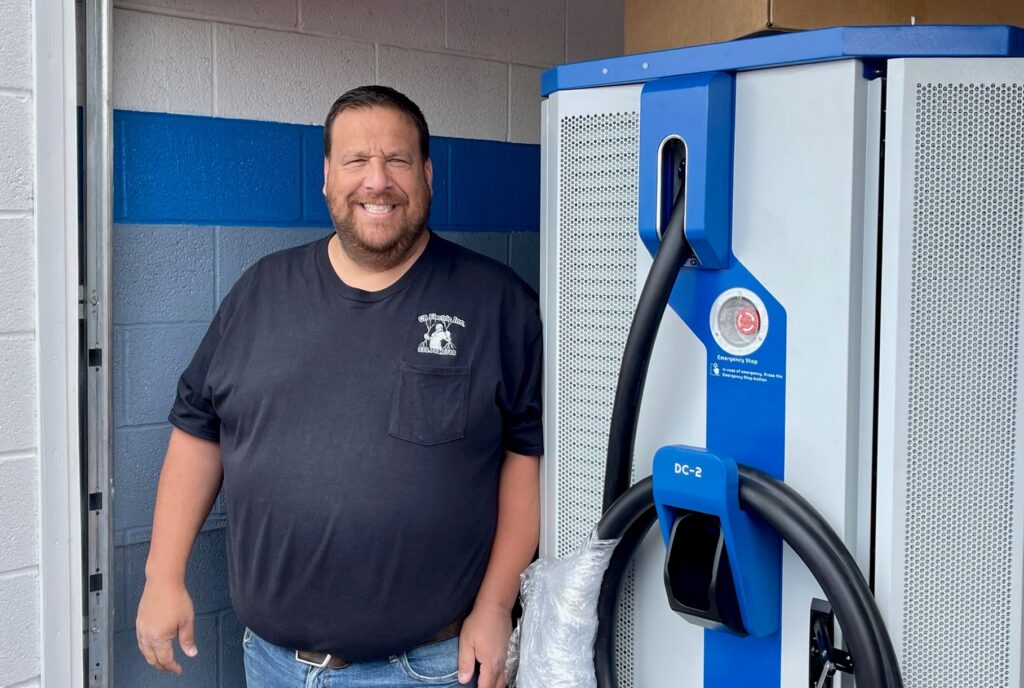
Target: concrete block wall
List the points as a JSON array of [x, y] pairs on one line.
[[19, 464], [466, 62], [218, 162]]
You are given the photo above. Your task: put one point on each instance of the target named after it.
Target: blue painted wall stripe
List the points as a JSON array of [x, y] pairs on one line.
[[183, 169]]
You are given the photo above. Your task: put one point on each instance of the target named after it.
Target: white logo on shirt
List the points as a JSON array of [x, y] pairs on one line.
[[438, 338]]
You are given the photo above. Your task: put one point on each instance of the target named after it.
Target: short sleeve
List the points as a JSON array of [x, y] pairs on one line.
[[193, 410], [524, 432]]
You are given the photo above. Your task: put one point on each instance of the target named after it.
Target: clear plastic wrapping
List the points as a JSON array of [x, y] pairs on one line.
[[553, 646]]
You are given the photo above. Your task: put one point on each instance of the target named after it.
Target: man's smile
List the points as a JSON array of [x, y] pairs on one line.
[[377, 209]]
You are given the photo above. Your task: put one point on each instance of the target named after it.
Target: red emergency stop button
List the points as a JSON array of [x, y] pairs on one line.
[[739, 321], [748, 322]]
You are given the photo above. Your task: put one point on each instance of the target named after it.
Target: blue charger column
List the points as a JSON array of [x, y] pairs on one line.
[[746, 394]]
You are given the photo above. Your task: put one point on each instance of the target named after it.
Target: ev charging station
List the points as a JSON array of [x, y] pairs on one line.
[[847, 318]]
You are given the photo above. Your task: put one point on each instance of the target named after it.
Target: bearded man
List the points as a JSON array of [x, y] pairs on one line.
[[382, 496]]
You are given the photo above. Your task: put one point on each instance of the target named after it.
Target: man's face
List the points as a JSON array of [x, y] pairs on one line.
[[377, 185]]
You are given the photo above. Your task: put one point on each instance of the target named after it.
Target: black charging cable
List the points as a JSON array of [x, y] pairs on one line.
[[637, 355], [802, 527], [637, 514], [832, 565]]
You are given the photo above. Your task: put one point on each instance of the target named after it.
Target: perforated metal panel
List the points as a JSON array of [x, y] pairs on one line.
[[596, 286], [964, 392]]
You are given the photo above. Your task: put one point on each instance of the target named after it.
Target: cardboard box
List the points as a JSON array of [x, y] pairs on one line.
[[662, 24]]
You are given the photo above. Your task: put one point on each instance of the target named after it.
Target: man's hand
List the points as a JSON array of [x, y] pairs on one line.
[[189, 482], [486, 631], [165, 613], [484, 639]]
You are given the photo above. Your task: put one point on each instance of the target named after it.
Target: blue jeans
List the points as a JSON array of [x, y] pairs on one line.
[[270, 666]]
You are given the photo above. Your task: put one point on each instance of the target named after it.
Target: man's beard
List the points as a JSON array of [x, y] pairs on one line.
[[380, 256]]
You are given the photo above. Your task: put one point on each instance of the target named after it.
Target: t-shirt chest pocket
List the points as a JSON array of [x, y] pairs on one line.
[[430, 403]]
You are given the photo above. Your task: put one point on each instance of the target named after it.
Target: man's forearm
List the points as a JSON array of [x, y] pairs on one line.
[[518, 529], [189, 482]]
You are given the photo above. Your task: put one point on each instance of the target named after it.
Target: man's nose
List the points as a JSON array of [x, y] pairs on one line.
[[377, 176]]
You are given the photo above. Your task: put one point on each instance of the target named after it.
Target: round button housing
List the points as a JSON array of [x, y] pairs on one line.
[[739, 321]]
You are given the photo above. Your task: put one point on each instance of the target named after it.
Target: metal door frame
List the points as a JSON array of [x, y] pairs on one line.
[[96, 347], [54, 91]]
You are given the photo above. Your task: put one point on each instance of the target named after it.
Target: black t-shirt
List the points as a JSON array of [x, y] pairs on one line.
[[362, 434]]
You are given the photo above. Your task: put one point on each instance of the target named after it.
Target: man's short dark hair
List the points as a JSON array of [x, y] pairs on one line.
[[378, 96]]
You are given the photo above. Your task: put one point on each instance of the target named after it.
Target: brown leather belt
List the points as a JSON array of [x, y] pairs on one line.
[[325, 660]]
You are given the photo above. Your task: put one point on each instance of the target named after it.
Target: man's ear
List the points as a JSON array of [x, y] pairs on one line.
[[327, 166], [428, 172]]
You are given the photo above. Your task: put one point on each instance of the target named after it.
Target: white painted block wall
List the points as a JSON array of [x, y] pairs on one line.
[[19, 465], [473, 65]]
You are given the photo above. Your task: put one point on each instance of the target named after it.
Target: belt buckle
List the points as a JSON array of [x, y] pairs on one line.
[[321, 665]]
